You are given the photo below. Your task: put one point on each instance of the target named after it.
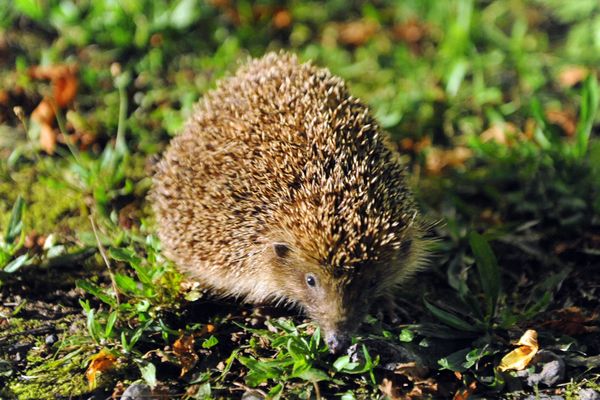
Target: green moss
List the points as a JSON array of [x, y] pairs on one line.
[[52, 205], [63, 377], [47, 376]]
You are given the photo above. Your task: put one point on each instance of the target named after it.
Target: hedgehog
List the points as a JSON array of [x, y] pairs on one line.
[[282, 188]]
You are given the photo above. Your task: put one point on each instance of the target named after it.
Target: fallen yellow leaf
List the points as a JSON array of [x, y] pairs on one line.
[[520, 357], [99, 363]]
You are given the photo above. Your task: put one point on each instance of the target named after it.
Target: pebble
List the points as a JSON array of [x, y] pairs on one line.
[[589, 394], [51, 339], [138, 391]]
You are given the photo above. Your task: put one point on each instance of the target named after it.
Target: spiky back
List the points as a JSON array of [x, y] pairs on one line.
[[280, 151]]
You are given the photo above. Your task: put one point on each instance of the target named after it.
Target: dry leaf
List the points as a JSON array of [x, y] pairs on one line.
[[208, 328], [416, 146], [43, 113], [64, 89], [64, 81], [282, 19], [438, 159], [100, 362], [47, 138], [500, 133], [465, 393], [390, 391], [572, 75], [356, 33], [520, 357], [565, 119], [183, 348], [571, 321], [44, 116], [411, 32]]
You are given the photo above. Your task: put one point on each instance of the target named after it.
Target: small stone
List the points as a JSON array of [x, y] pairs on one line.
[[137, 391], [589, 394], [252, 395], [51, 339], [552, 370]]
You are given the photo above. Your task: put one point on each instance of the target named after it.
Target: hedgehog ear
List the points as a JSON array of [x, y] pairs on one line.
[[281, 249]]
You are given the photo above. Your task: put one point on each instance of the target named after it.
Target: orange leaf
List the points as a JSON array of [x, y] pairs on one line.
[[437, 159], [64, 81], [465, 393], [565, 119], [64, 89], [183, 348], [282, 19], [100, 362], [47, 138], [356, 33], [520, 357], [43, 113], [572, 75], [44, 116]]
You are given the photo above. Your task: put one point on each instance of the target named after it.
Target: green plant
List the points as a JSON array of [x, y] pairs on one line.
[[298, 356], [13, 240]]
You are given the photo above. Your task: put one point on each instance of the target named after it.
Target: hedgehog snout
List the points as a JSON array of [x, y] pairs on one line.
[[337, 341]]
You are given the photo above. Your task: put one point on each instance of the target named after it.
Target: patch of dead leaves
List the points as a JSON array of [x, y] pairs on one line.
[[571, 321], [64, 89], [183, 349], [396, 387]]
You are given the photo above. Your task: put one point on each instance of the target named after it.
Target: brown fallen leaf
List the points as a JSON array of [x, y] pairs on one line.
[[572, 75], [102, 361], [437, 159], [410, 31], [44, 115], [356, 33], [183, 348], [282, 19], [520, 357], [64, 89], [503, 133], [563, 118], [465, 393], [572, 321]]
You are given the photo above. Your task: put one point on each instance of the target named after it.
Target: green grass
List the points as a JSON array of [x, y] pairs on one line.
[[493, 104]]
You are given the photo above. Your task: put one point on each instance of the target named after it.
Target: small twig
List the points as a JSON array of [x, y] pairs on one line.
[[249, 389], [18, 110], [317, 390], [105, 258]]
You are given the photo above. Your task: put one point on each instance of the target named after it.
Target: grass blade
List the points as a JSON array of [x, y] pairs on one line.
[[450, 319], [489, 273]]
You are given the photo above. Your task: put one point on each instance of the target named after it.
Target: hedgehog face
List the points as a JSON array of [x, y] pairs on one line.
[[337, 298]]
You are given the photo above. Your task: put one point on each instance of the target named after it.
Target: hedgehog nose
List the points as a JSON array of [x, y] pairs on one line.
[[337, 342]]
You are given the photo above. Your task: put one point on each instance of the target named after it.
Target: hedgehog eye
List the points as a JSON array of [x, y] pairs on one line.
[[311, 281], [281, 249]]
